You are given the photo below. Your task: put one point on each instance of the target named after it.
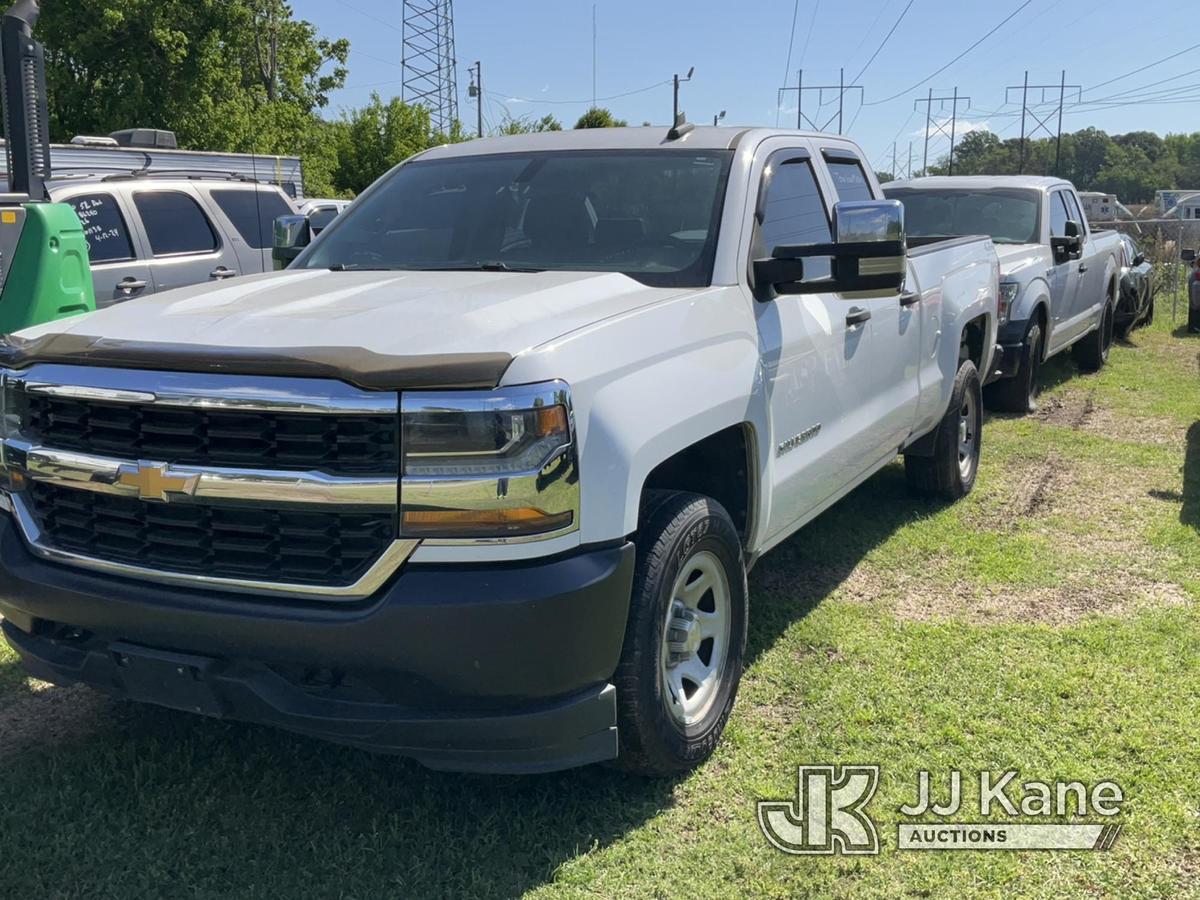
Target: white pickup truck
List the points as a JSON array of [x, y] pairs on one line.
[[478, 479], [1059, 280]]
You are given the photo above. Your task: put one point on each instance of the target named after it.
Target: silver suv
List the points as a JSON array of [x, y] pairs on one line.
[[150, 233]]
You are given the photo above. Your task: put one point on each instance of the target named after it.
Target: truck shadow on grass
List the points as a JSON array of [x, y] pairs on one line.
[[1190, 513], [258, 803]]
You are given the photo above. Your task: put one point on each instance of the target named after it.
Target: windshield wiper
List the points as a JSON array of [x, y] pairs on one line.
[[355, 267], [489, 266]]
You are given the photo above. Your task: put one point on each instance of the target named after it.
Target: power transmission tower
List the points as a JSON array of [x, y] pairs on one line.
[[1043, 122], [822, 89], [428, 60], [940, 127]]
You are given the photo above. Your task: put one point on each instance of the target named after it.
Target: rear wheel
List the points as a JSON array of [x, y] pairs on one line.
[[1019, 394], [1091, 353], [682, 658], [950, 472]]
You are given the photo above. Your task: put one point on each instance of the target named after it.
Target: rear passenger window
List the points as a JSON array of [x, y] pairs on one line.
[[849, 180], [103, 227], [794, 213], [175, 223], [253, 213], [1058, 215]]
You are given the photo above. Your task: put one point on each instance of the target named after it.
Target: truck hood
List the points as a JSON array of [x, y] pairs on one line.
[[1020, 261], [394, 314]]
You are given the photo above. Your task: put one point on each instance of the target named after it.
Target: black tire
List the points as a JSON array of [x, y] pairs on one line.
[[1019, 394], [943, 473], [1091, 353], [676, 529]]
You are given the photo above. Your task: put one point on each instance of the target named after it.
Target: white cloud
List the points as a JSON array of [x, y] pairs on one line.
[[961, 127]]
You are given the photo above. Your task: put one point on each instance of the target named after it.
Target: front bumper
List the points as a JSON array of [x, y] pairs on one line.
[[503, 668]]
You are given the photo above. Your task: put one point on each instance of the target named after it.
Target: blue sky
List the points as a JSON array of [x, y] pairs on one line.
[[537, 59]]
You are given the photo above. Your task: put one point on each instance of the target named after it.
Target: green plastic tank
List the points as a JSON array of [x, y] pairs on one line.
[[44, 270]]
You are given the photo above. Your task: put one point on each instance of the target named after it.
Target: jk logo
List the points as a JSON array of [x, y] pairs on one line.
[[827, 815]]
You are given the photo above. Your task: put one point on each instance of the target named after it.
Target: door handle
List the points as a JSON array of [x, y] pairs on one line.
[[909, 298], [857, 315], [221, 272], [1082, 268], [131, 284]]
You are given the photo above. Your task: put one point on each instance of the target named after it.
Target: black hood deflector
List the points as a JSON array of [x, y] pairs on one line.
[[353, 365]]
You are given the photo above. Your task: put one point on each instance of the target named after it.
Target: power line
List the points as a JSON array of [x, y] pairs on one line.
[[640, 90], [787, 68], [363, 12], [933, 75], [808, 37], [886, 38], [1151, 65]]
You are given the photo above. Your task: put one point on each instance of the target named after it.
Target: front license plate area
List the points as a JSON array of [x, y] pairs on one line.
[[175, 680]]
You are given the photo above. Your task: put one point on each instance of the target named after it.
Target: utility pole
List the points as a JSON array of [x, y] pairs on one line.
[[910, 145], [476, 91], [1042, 123], [895, 174], [822, 89], [932, 127]]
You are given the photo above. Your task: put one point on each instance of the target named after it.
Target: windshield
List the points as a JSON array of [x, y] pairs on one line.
[[1007, 216], [651, 215]]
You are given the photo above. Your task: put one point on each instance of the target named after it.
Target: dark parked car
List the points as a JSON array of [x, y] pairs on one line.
[[1136, 306]]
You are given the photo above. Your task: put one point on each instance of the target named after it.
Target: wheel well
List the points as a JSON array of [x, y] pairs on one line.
[[973, 337], [719, 467]]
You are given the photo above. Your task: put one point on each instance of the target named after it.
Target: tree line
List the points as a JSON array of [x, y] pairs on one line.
[[1132, 166], [243, 76]]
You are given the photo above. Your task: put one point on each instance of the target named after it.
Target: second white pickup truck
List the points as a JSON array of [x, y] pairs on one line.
[[1059, 280], [478, 479]]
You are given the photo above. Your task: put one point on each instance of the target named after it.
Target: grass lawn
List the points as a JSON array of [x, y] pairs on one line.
[[1049, 623]]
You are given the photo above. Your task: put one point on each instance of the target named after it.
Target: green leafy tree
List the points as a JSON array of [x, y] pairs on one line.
[[528, 125], [234, 75], [376, 137], [598, 117]]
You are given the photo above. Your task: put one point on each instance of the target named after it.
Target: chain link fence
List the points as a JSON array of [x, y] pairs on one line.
[[1163, 241]]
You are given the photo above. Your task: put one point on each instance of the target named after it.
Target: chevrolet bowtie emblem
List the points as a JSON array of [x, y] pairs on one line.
[[154, 481]]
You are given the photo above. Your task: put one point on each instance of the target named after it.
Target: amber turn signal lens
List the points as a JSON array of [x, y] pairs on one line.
[[481, 522], [551, 420]]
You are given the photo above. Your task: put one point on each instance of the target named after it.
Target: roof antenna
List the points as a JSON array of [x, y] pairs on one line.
[[680, 125]]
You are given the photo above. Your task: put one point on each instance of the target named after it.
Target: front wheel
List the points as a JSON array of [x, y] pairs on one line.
[[1019, 394], [950, 472], [684, 644], [1091, 353]]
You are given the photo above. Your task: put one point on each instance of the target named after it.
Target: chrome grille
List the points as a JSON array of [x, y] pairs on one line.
[[349, 445], [252, 485], [315, 548]]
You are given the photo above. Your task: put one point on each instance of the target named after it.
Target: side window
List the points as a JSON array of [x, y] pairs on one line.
[[794, 213], [849, 180], [1075, 214], [252, 212], [175, 223], [104, 227], [1058, 215]]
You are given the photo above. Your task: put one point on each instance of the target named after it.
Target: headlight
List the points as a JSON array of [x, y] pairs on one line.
[[1007, 297], [499, 464], [9, 426]]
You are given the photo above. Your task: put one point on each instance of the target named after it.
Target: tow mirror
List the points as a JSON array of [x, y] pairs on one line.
[[292, 234], [1139, 258], [1070, 245], [869, 253]]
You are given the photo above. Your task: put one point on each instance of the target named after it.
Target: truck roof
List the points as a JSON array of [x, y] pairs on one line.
[[702, 137], [981, 182]]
